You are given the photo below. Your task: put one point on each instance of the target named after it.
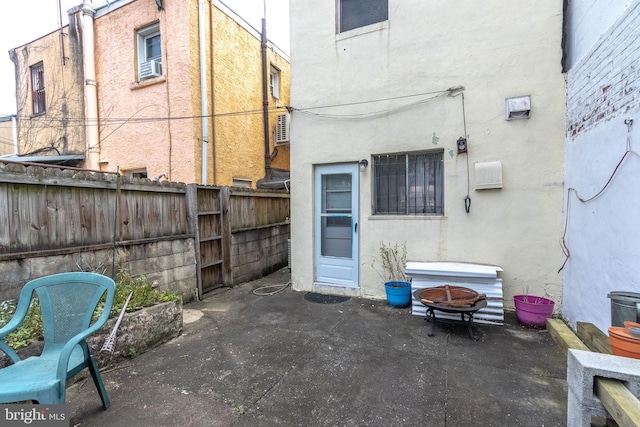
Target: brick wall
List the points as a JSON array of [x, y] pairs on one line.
[[606, 81]]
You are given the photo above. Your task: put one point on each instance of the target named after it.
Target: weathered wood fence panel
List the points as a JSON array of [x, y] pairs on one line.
[[50, 212], [257, 208], [57, 211]]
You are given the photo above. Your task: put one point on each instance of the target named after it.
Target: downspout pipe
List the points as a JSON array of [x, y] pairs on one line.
[[265, 102], [90, 87], [213, 96], [203, 93]]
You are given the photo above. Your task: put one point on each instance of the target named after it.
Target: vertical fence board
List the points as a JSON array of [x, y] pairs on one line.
[[4, 212], [18, 218]]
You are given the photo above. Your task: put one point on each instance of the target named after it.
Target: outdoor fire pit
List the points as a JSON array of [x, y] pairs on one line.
[[451, 299]]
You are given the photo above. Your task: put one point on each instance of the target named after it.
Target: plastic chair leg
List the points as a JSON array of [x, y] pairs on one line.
[[97, 379]]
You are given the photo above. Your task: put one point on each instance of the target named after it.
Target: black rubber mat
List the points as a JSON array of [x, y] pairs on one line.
[[324, 299]]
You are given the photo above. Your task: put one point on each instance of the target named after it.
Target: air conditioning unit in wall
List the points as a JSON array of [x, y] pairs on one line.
[[149, 69], [282, 129]]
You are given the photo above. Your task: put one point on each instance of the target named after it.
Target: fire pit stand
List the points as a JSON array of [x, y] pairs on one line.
[[466, 313]]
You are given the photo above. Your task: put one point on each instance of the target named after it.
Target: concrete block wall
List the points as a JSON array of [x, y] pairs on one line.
[[258, 252], [605, 82], [169, 262]]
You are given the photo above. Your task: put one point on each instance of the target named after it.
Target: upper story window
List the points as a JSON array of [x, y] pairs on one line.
[[149, 52], [275, 82], [409, 184], [37, 89], [359, 13]]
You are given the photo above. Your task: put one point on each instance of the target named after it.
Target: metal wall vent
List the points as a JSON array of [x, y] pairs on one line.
[[488, 175]]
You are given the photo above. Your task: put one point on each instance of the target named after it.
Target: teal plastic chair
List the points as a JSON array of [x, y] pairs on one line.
[[67, 303]]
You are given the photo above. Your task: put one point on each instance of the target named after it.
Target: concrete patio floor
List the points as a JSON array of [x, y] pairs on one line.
[[281, 360]]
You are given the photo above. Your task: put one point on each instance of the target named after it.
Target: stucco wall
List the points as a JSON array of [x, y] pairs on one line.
[[159, 145], [428, 47], [174, 147], [602, 235], [62, 124]]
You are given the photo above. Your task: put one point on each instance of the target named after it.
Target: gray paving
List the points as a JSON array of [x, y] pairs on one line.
[[281, 360]]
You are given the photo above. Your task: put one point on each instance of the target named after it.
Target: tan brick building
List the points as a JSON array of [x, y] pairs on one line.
[[7, 143], [156, 89]]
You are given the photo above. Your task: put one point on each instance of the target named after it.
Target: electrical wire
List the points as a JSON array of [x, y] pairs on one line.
[[369, 115], [467, 199], [371, 101], [563, 242]]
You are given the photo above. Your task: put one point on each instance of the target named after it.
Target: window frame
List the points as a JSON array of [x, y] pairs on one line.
[[339, 16], [415, 194], [274, 82], [142, 36], [38, 89]]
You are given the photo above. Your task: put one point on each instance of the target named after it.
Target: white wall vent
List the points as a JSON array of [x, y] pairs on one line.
[[149, 69], [282, 129], [518, 108], [488, 175]]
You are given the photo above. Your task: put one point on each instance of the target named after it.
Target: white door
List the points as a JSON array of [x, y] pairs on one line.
[[336, 225]]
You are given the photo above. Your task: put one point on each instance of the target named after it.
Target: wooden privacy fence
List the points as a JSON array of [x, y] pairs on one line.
[[46, 211], [221, 213]]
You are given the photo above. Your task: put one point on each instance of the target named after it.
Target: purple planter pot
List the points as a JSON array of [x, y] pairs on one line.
[[533, 311]]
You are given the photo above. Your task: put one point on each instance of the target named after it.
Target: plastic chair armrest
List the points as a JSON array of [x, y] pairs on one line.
[[6, 349], [16, 320], [65, 353]]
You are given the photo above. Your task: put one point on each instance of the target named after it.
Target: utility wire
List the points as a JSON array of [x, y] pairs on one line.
[[628, 150]]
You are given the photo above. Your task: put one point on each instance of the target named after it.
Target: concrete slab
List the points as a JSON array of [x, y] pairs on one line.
[[281, 360]]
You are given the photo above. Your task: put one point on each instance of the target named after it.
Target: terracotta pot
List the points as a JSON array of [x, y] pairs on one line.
[[623, 343]]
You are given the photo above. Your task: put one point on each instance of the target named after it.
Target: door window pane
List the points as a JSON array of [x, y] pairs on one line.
[[336, 238]]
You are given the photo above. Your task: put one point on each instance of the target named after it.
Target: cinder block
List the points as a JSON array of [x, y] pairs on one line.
[[584, 366]]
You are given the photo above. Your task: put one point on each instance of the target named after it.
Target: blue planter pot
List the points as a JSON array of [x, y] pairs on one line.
[[398, 294]]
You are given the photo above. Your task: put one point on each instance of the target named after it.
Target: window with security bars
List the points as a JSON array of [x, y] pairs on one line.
[[37, 89], [409, 184], [359, 13]]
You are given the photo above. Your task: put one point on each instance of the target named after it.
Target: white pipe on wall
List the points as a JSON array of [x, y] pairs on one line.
[[90, 87], [203, 92]]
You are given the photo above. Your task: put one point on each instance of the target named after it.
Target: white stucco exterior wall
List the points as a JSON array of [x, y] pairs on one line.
[[428, 47], [602, 235]]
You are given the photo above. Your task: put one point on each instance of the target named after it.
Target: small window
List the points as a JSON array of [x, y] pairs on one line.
[[409, 184], [275, 82], [359, 13], [242, 182], [137, 173], [37, 89], [149, 52]]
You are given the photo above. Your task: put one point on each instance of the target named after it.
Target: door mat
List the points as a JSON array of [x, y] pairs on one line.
[[324, 299]]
